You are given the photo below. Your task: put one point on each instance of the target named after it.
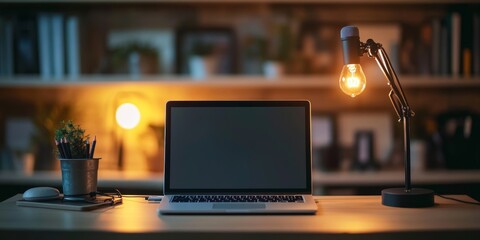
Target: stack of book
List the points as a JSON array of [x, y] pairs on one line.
[[453, 44], [45, 44]]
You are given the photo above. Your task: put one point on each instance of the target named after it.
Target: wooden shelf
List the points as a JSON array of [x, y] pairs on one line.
[[154, 181], [321, 81], [106, 179], [395, 178]]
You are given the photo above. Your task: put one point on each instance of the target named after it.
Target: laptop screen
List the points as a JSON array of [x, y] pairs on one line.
[[238, 146]]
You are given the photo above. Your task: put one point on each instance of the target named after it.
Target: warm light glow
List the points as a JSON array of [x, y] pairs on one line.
[[352, 80], [127, 116]]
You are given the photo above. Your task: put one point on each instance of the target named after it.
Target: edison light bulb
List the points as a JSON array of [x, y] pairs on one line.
[[127, 115], [352, 80]]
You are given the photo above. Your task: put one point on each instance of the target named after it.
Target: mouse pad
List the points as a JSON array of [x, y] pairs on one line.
[[100, 201]]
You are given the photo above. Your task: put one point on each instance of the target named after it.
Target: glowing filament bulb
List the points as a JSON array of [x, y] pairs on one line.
[[352, 80], [127, 116]]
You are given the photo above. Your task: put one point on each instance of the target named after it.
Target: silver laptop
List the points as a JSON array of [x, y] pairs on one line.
[[235, 157]]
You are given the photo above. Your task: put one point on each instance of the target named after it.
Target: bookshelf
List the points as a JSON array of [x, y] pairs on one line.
[[432, 93], [98, 18]]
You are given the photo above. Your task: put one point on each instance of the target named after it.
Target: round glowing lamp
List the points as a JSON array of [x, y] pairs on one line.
[[127, 116]]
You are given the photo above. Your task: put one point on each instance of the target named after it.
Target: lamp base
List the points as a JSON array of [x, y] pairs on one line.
[[415, 198]]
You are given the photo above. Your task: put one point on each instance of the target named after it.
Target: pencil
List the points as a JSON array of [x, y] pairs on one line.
[[87, 149], [64, 150], [60, 150], [68, 153], [92, 151]]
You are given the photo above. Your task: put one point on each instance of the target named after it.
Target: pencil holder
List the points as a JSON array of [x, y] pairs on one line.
[[79, 178]]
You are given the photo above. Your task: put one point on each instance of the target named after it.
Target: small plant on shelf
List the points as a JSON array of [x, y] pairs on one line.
[[73, 139]]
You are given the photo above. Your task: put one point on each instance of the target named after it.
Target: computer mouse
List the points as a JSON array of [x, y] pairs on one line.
[[41, 194]]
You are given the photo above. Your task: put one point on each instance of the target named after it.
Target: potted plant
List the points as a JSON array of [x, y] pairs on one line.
[[201, 62], [279, 52], [135, 58], [255, 54], [79, 168]]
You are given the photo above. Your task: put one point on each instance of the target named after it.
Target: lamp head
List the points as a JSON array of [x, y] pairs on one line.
[[352, 79], [350, 44]]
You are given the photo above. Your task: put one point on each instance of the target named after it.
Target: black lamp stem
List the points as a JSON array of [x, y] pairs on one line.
[[406, 145]]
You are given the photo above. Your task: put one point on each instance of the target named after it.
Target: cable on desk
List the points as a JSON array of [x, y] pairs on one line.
[[135, 196], [148, 198], [458, 200]]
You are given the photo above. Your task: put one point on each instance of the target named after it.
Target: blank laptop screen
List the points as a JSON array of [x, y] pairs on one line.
[[238, 146]]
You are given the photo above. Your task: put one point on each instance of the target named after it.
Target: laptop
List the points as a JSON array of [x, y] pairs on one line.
[[235, 157]]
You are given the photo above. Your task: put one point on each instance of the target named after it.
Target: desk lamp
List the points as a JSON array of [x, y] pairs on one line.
[[128, 117], [352, 82]]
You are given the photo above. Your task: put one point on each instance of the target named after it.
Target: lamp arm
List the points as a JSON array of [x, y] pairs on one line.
[[397, 86], [396, 95]]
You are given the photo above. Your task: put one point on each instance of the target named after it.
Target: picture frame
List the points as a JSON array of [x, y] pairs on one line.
[[379, 123], [319, 48], [325, 154], [217, 42], [159, 40]]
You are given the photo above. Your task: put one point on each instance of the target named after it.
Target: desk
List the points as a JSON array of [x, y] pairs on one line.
[[345, 217]]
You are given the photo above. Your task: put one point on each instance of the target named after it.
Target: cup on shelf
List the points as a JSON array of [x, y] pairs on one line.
[[24, 163], [79, 178], [202, 67], [273, 70]]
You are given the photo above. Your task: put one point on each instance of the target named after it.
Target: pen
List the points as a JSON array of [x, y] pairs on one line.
[[92, 151], [64, 150], [60, 150], [68, 153], [87, 149]]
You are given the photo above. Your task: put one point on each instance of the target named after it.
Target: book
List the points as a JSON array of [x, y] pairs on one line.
[[58, 58], [424, 49], [436, 45], [6, 48], [44, 46], [445, 48], [72, 47], [466, 43], [455, 35], [409, 49], [25, 46], [476, 45]]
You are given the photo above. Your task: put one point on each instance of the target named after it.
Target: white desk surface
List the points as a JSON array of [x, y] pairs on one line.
[[338, 217]]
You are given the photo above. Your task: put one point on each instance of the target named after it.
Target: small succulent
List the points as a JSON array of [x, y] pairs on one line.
[[75, 136]]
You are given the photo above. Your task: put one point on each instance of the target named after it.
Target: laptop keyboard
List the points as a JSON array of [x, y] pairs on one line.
[[238, 198]]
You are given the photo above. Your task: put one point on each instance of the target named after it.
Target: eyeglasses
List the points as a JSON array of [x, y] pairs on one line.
[[98, 197]]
